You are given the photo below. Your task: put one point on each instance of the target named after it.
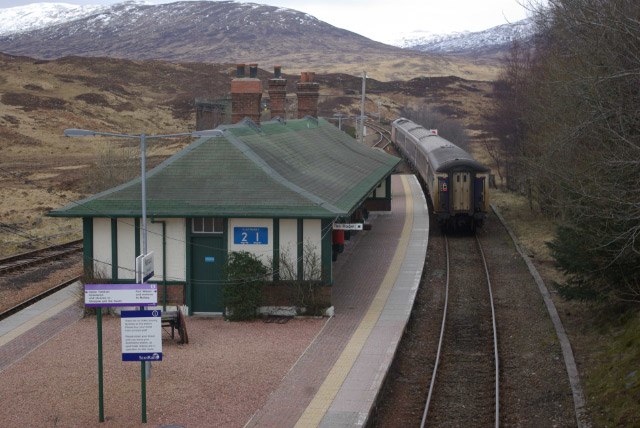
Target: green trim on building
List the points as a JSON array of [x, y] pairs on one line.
[[87, 246], [276, 249], [189, 287], [225, 237], [137, 237], [114, 249], [300, 241], [325, 253]]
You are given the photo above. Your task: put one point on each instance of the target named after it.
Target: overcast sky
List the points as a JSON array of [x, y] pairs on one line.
[[382, 20]]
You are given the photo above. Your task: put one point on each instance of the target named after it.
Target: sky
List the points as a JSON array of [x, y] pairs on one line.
[[381, 20]]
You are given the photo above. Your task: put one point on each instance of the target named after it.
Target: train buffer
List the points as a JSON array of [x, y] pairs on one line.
[[176, 321]]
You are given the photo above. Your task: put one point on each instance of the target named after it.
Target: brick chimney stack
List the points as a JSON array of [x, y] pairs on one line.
[[277, 93], [246, 94], [308, 93]]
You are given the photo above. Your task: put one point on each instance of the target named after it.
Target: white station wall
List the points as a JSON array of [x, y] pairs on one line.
[[289, 248], [175, 248], [126, 248], [312, 248], [102, 247]]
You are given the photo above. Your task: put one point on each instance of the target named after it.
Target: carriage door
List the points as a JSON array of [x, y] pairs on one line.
[[461, 191]]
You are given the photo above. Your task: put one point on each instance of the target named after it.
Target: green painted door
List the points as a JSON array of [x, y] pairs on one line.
[[207, 261]]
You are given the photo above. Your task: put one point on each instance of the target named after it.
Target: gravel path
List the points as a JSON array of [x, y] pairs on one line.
[[220, 378]]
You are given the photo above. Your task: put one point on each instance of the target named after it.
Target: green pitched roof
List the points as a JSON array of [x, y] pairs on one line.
[[299, 168]]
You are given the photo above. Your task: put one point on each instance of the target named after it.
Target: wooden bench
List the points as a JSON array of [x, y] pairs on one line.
[[177, 321]]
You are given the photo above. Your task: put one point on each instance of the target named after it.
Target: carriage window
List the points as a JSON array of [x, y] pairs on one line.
[[464, 178], [207, 225], [458, 179]]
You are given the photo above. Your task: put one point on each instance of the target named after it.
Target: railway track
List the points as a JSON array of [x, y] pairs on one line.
[[36, 257], [385, 135], [464, 389]]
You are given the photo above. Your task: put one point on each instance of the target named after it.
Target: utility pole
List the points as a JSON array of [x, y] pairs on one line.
[[364, 88]]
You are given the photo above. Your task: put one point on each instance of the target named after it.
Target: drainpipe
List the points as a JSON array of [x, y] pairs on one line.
[[164, 262]]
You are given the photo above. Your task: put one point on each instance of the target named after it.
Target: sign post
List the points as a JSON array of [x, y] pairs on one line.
[[106, 295]]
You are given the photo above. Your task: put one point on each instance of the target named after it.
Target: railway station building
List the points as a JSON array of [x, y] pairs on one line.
[[274, 190]]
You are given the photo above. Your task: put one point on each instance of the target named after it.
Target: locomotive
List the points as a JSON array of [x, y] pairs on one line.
[[457, 184]]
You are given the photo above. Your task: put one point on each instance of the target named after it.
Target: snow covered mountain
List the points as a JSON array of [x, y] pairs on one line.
[[494, 39], [180, 31], [41, 15]]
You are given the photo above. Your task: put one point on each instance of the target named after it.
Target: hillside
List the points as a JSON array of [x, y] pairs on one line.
[[41, 169], [226, 31]]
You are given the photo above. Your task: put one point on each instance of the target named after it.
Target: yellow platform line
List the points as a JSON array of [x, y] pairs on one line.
[[28, 325], [320, 403]]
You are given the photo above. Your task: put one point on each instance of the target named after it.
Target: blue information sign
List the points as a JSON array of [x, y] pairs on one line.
[[250, 235], [141, 335]]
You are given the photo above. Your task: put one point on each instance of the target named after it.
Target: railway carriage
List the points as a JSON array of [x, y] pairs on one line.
[[457, 184]]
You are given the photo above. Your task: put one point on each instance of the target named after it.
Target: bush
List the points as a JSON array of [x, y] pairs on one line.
[[243, 291]]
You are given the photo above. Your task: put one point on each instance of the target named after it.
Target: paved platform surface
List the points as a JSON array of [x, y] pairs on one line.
[[26, 330], [336, 381]]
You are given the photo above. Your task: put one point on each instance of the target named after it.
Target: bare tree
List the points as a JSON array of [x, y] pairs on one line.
[[581, 144]]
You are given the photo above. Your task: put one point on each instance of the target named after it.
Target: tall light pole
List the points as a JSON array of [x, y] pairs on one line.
[[364, 88], [72, 132]]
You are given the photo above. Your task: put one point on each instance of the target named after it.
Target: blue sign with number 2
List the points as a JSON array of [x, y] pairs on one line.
[[250, 235]]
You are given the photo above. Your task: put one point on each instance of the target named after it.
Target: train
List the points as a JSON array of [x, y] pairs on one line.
[[457, 184]]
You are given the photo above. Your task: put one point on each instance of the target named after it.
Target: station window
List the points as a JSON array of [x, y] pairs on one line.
[[207, 225]]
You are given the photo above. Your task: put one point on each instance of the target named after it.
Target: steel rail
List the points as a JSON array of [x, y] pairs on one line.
[[440, 341], [31, 258], [383, 134], [495, 334], [37, 297]]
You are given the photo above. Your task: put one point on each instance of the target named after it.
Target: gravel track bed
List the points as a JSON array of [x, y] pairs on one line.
[[21, 285], [464, 392], [220, 378], [534, 384]]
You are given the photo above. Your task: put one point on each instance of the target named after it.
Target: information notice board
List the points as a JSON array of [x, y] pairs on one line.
[[141, 335]]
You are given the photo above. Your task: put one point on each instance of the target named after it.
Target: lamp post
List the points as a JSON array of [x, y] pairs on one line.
[[340, 116], [72, 132], [364, 88], [143, 159]]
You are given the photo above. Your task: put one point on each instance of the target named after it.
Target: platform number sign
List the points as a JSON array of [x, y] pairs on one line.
[[250, 236]]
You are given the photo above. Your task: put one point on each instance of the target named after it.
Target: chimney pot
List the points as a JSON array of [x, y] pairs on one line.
[[304, 77], [240, 70], [311, 75], [253, 70], [277, 71]]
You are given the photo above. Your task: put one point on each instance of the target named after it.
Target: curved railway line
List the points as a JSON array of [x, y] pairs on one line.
[[385, 135], [36, 257], [465, 384]]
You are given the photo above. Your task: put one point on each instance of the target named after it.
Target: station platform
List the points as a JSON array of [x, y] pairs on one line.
[[336, 381]]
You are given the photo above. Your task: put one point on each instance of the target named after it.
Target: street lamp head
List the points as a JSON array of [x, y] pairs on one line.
[[72, 132], [208, 133]]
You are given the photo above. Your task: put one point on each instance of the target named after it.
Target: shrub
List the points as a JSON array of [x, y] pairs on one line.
[[243, 291]]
